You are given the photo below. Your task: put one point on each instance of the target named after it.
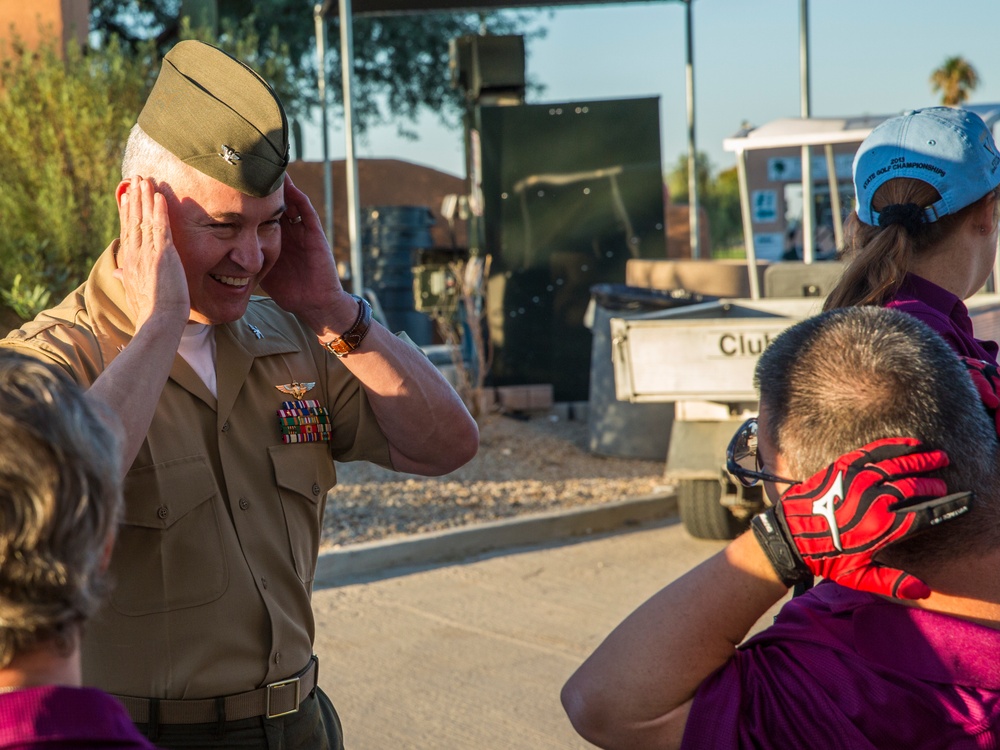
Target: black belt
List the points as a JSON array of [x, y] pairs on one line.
[[277, 699]]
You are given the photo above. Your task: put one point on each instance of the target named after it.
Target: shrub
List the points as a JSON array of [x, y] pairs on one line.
[[63, 125]]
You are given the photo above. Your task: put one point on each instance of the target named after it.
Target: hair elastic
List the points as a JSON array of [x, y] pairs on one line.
[[908, 215]]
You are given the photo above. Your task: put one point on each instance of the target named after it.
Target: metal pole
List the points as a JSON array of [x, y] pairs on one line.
[[838, 219], [748, 243], [319, 20], [808, 220], [350, 161], [692, 150]]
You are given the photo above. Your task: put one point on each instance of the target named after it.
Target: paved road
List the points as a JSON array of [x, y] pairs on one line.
[[472, 656]]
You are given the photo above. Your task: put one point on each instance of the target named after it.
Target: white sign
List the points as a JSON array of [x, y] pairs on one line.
[[698, 358], [765, 206]]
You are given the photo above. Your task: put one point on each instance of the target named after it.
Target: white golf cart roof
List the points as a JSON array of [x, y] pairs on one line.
[[789, 132]]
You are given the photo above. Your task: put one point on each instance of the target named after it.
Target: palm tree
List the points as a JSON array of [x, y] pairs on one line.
[[955, 79]]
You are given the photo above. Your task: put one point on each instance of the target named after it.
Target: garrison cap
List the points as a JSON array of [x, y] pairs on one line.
[[217, 115]]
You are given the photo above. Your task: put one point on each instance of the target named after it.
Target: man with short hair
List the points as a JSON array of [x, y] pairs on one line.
[[234, 407], [60, 500], [899, 647]]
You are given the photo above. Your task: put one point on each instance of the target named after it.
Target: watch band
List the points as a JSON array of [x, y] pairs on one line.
[[780, 551], [351, 340]]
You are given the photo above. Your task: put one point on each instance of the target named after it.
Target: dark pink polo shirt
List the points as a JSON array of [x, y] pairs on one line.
[[945, 313], [68, 718], [848, 669]]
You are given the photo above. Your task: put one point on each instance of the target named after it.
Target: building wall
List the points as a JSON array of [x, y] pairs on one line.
[[33, 21]]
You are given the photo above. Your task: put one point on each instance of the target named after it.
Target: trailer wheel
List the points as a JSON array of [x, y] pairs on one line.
[[702, 512]]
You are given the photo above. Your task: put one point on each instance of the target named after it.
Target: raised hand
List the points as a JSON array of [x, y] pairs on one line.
[[148, 264], [835, 523], [304, 280]]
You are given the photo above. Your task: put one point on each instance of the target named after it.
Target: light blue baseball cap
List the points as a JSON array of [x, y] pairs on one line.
[[951, 149]]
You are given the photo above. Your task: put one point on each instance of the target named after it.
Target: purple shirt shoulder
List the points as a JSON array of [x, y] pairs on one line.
[[66, 717], [842, 668], [945, 313]]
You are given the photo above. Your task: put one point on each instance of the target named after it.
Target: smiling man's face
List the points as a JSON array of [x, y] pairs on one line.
[[227, 241]]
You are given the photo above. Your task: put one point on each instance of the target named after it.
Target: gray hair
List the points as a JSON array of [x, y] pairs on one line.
[[60, 500], [847, 377], [145, 157]]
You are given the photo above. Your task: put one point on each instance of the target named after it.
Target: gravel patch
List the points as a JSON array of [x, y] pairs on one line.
[[523, 466]]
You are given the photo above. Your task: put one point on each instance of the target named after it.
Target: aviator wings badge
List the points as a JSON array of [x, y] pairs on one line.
[[295, 389]]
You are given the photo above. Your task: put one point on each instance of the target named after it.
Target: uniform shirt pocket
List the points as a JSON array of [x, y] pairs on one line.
[[304, 473], [169, 552]]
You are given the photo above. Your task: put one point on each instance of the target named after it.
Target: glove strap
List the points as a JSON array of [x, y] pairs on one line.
[[783, 556]]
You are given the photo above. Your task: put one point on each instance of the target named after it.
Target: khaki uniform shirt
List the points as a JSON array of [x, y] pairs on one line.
[[213, 565]]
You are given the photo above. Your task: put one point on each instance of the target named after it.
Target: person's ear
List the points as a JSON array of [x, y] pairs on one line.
[[120, 191], [982, 218]]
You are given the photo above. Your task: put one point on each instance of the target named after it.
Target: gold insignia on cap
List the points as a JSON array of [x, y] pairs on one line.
[[296, 389], [229, 154]]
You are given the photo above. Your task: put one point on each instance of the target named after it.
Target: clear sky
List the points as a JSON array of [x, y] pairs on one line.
[[866, 56]]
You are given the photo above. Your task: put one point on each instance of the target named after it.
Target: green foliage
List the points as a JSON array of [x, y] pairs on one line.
[[26, 303], [726, 216], [955, 79], [718, 195], [401, 61], [63, 124]]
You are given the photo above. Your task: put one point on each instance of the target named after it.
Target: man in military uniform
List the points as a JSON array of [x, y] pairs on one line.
[[234, 409]]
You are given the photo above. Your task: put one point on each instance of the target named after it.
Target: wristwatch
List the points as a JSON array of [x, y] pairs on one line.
[[352, 339]]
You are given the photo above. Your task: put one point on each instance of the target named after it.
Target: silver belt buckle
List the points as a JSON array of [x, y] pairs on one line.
[[298, 687]]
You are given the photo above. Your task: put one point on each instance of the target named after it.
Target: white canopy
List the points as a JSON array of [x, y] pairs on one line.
[[790, 132]]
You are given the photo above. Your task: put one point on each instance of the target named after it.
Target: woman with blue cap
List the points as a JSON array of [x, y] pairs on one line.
[[924, 235]]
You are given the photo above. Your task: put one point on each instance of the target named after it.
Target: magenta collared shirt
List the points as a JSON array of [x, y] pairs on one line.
[[945, 313], [69, 718], [848, 669]]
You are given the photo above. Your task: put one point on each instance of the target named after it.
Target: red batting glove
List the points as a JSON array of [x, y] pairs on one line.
[[835, 523], [986, 377]]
